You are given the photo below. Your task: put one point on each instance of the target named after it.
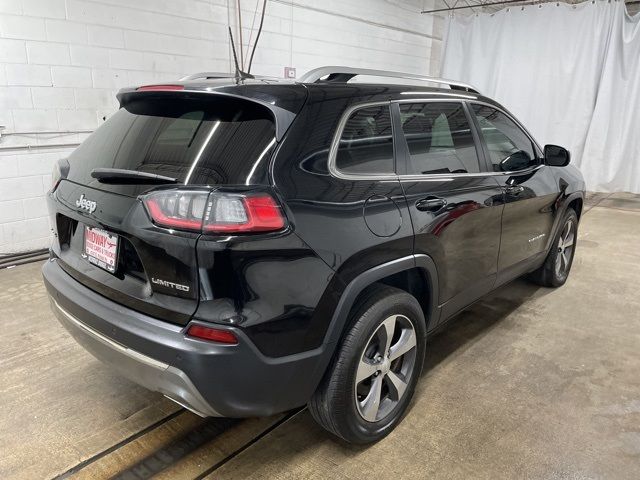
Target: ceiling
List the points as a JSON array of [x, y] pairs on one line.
[[633, 6]]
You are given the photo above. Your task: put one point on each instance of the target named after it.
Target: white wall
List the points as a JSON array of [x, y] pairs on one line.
[[62, 61]]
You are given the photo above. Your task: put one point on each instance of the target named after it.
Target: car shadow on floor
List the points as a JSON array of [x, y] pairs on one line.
[[478, 320]]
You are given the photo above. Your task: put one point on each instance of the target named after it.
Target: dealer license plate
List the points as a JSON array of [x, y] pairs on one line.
[[101, 248]]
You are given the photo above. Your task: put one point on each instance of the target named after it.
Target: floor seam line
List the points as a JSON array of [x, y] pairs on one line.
[[85, 463], [249, 444]]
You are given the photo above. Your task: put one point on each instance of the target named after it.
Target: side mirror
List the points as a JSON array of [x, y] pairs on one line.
[[519, 160], [556, 156]]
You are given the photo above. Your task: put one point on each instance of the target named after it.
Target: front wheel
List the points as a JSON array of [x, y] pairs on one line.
[[371, 381], [555, 270]]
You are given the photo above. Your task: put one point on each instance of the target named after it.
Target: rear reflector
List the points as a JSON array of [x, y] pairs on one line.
[[212, 334], [160, 88], [216, 212]]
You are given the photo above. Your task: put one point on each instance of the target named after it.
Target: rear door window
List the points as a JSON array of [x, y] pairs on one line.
[[439, 138], [198, 142], [366, 143]]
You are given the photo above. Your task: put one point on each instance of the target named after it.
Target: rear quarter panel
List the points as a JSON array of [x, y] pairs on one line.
[[272, 286]]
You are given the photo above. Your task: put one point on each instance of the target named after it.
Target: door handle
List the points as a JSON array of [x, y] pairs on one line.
[[430, 204], [514, 189]]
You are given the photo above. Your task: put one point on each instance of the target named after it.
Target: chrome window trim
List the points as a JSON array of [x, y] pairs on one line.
[[335, 144], [450, 176], [334, 171]]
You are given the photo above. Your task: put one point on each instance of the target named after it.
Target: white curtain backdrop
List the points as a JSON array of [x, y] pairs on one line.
[[611, 158], [571, 74]]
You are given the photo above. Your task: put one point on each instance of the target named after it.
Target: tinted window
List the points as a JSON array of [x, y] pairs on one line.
[[197, 142], [439, 138], [366, 144], [504, 139]]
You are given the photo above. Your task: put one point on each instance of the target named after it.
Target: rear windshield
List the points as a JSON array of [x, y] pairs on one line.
[[198, 142]]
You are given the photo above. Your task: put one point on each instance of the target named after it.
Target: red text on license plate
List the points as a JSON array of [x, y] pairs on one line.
[[101, 248]]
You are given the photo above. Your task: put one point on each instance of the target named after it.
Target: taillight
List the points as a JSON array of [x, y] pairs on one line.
[[60, 171], [216, 212], [212, 334], [181, 209], [56, 176], [243, 213]]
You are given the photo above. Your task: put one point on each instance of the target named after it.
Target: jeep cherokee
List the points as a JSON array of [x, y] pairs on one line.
[[248, 246]]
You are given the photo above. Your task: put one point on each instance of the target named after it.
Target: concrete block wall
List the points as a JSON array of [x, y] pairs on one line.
[[62, 62]]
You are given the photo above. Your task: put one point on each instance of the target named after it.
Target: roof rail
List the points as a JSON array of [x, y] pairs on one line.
[[344, 74], [195, 76], [205, 75]]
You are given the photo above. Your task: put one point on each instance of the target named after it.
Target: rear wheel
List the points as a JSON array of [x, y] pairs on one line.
[[369, 385], [555, 270]]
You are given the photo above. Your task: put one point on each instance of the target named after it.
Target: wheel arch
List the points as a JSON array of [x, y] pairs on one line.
[[404, 273], [576, 202]]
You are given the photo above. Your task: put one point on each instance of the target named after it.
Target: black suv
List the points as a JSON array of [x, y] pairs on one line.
[[247, 246]]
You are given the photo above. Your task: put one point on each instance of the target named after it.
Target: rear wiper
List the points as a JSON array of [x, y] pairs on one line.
[[120, 176]]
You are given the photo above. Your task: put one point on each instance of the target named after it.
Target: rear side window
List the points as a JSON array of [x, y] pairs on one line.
[[366, 143], [198, 142], [439, 138], [504, 139]]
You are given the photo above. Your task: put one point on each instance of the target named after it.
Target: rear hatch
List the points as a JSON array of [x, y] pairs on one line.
[[106, 237]]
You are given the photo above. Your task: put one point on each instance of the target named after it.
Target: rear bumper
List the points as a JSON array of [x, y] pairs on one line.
[[144, 370], [207, 378]]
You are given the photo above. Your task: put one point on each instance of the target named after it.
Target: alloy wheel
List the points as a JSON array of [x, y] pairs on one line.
[[566, 244], [385, 368]]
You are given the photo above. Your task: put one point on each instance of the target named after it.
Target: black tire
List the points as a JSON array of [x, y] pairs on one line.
[[548, 275], [335, 405]]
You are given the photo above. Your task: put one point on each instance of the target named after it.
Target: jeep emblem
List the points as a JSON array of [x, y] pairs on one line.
[[86, 204]]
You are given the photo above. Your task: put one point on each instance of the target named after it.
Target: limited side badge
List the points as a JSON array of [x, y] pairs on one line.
[[537, 237], [167, 284]]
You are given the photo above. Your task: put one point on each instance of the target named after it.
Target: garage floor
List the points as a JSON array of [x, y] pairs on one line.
[[529, 382]]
